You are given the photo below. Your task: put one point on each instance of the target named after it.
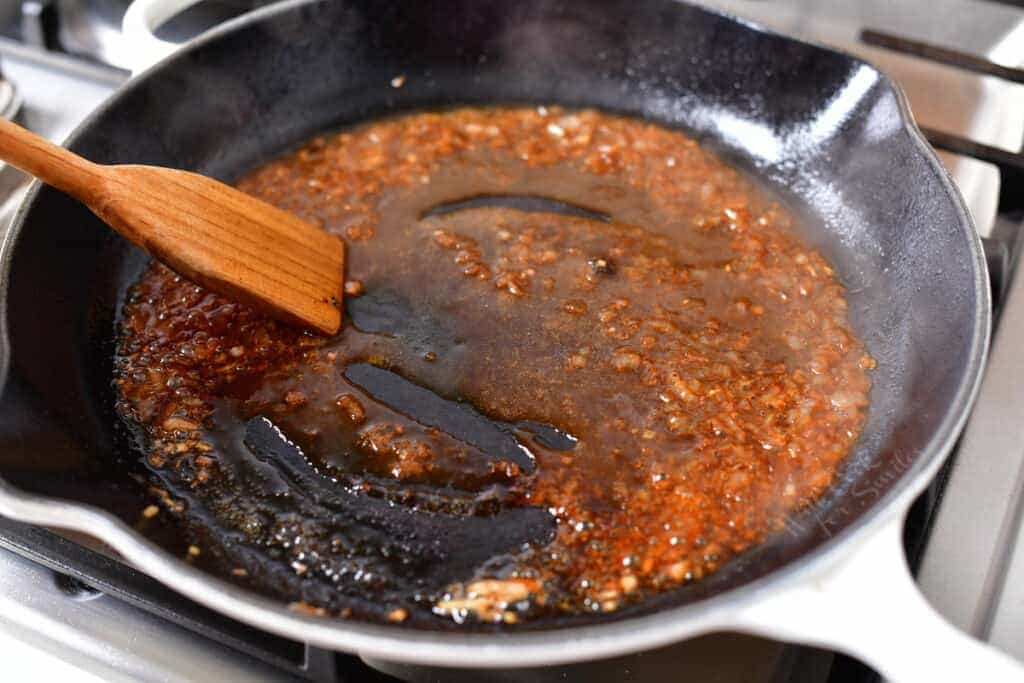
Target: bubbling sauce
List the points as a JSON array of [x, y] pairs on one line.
[[535, 406]]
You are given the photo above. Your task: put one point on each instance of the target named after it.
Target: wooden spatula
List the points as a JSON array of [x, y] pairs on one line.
[[209, 232]]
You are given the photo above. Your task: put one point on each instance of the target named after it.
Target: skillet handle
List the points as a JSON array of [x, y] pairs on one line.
[[869, 607], [141, 19]]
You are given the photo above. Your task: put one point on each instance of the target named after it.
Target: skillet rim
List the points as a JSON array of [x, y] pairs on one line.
[[509, 649]]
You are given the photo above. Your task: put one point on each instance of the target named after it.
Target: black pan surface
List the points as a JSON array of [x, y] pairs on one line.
[[822, 129]]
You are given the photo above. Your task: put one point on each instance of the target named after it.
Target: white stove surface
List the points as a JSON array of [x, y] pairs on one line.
[[46, 635]]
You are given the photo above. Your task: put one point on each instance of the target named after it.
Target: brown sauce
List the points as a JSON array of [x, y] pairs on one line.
[[585, 407]]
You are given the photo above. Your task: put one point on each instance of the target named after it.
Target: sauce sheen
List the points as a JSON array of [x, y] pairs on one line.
[[535, 406]]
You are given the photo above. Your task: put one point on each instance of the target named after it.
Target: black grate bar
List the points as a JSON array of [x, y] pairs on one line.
[[942, 55], [1006, 160]]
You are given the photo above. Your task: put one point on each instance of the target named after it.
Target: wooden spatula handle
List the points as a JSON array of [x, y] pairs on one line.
[[50, 163], [214, 235]]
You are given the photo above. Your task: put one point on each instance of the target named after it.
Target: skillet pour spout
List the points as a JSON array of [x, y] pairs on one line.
[[828, 132]]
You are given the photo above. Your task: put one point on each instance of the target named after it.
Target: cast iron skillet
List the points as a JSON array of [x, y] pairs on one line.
[[827, 131]]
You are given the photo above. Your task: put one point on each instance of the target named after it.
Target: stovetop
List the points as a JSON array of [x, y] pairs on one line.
[[67, 608]]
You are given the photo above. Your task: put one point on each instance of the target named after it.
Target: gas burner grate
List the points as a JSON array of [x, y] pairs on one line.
[[1010, 163]]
